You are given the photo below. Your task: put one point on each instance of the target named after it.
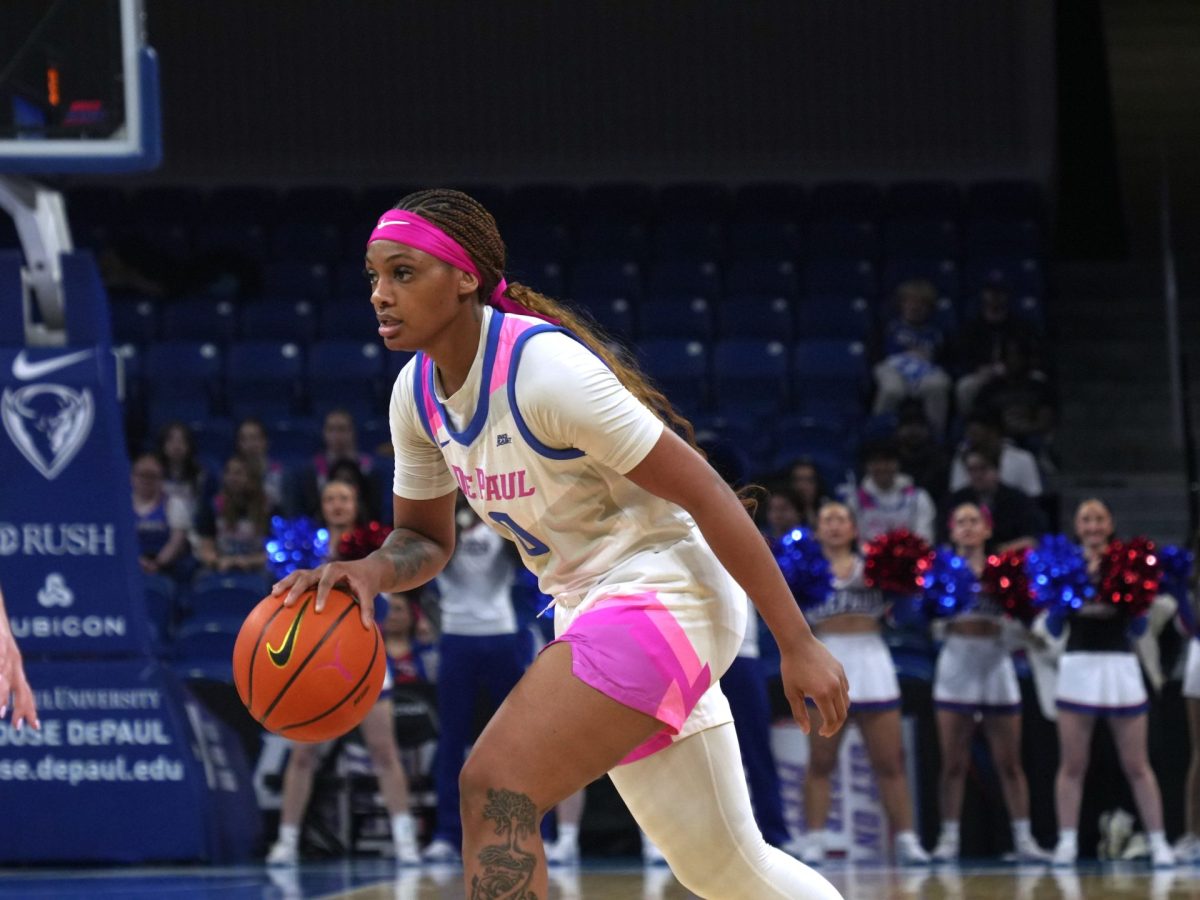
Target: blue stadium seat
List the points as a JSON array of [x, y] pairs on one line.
[[199, 319], [764, 239], [281, 318], [846, 277], [912, 236], [769, 277], [204, 649], [617, 202], [837, 318], [606, 278], [264, 379], [394, 363], [690, 318], [346, 372], [753, 316], [1023, 275], [537, 242], [842, 239], [182, 379], [675, 278], [225, 595], [700, 201], [1000, 237], [601, 240], [769, 202], [680, 368], [349, 279], [546, 278], [688, 239], [242, 239], [746, 431], [614, 315], [300, 279], [941, 199], [1005, 199], [134, 320], [293, 439], [351, 318], [942, 272], [214, 439], [845, 199], [314, 241], [830, 378], [750, 375]]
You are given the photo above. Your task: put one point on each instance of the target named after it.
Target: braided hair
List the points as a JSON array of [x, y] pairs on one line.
[[468, 222]]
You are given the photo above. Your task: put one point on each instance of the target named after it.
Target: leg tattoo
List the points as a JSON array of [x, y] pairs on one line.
[[507, 868]]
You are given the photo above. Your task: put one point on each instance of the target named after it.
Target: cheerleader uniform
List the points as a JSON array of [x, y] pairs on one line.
[[1099, 673], [864, 656], [975, 673]]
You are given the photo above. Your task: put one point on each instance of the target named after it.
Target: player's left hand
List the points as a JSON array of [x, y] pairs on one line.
[[13, 682], [809, 670]]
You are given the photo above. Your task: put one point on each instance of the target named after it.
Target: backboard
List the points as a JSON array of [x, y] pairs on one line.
[[78, 87]]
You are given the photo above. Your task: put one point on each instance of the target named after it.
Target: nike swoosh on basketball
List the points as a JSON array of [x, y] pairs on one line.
[[24, 370], [280, 655]]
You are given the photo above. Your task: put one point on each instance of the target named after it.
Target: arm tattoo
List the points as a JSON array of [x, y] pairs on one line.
[[408, 552], [507, 868]]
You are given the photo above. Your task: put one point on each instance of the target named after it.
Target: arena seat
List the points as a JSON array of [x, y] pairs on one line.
[[685, 277], [679, 367], [279, 318], [755, 316], [751, 375], [211, 319], [690, 318], [264, 378]]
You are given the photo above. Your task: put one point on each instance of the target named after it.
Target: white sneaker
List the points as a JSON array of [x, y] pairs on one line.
[[911, 853], [282, 854], [440, 851], [651, 855], [1162, 856], [1187, 849], [813, 852], [946, 850], [1029, 851], [405, 840], [562, 853], [1064, 854]]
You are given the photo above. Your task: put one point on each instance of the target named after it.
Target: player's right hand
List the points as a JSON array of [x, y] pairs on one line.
[[359, 578]]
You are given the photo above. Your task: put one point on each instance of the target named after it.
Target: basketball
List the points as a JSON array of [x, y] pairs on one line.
[[304, 676]]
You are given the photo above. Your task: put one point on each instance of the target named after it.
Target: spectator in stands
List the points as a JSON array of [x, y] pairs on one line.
[[480, 650], [409, 640], [922, 457], [161, 520], [886, 499], [252, 445], [913, 346], [781, 514], [340, 513], [1016, 519], [1022, 399], [1099, 677], [339, 441], [1018, 467], [848, 623], [183, 475], [808, 490], [985, 339], [233, 528], [368, 499]]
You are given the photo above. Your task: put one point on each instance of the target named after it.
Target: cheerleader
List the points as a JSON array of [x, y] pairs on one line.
[[975, 682], [848, 624], [1099, 676]]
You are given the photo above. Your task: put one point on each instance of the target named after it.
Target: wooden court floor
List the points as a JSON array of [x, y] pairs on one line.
[[377, 880]]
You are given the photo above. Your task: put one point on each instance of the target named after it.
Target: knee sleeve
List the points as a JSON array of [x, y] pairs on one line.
[[691, 799]]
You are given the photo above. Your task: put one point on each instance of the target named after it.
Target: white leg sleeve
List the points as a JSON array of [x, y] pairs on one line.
[[691, 799]]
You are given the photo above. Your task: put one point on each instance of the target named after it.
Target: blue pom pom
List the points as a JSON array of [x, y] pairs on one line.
[[1176, 580], [950, 587], [295, 544], [804, 567], [1058, 575]]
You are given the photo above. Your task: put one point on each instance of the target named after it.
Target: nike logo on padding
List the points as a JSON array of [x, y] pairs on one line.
[[281, 654], [24, 370]]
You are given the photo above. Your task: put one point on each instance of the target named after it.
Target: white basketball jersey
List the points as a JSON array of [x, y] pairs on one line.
[[579, 524]]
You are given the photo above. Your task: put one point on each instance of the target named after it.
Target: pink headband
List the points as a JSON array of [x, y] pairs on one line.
[[408, 228]]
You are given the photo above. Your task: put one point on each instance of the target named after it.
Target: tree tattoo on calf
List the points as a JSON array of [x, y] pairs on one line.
[[507, 868]]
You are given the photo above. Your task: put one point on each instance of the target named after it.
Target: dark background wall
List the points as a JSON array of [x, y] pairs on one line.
[[602, 89]]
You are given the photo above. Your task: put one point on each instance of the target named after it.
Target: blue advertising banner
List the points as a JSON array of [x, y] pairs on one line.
[[68, 548], [127, 767]]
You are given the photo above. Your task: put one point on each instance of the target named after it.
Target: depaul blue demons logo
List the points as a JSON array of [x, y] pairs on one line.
[[48, 423]]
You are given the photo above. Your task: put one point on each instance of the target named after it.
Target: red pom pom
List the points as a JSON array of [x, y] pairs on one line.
[[896, 561], [1005, 578], [1130, 573], [362, 541]]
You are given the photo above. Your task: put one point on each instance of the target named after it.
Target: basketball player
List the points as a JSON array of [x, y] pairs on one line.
[[848, 622], [566, 450], [13, 685], [975, 681]]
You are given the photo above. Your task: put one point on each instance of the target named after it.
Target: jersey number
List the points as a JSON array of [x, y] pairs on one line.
[[531, 545]]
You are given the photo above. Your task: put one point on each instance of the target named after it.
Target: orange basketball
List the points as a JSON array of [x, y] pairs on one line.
[[305, 676]]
